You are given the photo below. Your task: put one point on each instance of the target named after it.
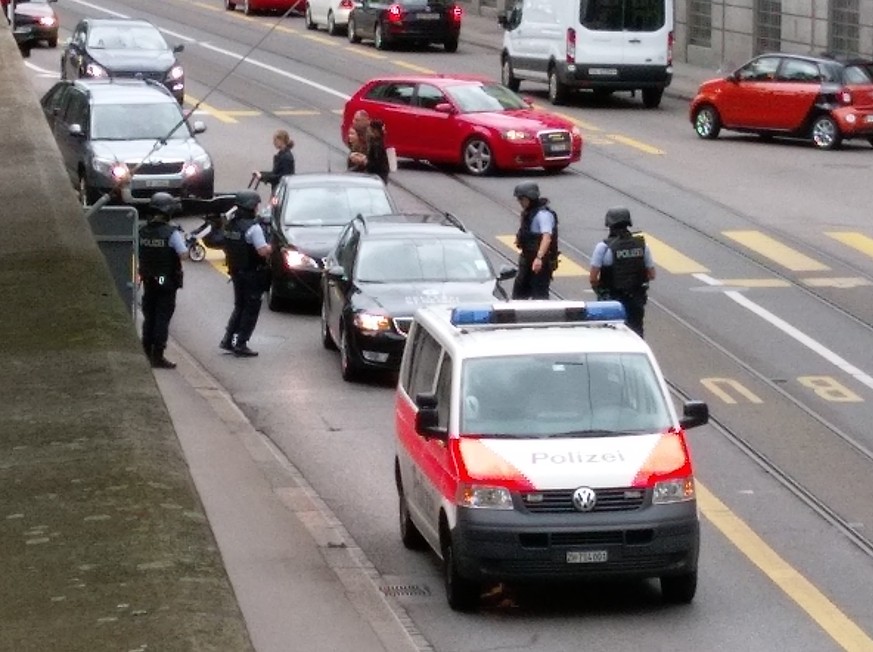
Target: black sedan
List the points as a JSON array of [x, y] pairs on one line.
[[411, 21], [36, 20], [118, 47], [382, 269], [309, 211]]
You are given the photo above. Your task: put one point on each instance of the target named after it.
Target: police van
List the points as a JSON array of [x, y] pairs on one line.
[[602, 45], [536, 440]]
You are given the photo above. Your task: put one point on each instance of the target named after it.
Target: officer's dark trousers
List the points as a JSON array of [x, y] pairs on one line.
[[635, 311], [528, 285], [158, 306], [247, 291]]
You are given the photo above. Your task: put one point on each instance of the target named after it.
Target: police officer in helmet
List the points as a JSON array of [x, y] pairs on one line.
[[621, 267], [247, 252], [537, 238], [161, 250]]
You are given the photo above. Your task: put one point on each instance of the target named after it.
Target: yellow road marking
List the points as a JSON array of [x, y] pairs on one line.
[[242, 113], [755, 282], [630, 142], [412, 66], [203, 5], [858, 241], [672, 260], [337, 111], [825, 613], [223, 116], [579, 123], [845, 283], [295, 112], [320, 39], [287, 30], [566, 267], [779, 253], [366, 53]]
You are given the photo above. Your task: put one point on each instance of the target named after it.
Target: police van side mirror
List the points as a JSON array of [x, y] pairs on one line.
[[507, 272], [694, 413], [427, 417]]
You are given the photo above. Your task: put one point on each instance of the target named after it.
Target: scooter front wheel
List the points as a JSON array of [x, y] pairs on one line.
[[197, 252]]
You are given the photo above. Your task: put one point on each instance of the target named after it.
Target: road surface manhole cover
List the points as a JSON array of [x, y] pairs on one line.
[[405, 590]]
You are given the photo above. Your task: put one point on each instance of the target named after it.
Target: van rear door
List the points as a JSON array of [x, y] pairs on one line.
[[624, 32]]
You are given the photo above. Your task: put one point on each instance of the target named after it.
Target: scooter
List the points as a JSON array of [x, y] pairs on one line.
[[217, 212]]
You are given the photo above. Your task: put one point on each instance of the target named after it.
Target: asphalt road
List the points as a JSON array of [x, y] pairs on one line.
[[762, 307]]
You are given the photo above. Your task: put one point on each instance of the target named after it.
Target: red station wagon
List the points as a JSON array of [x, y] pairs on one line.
[[816, 98], [479, 124]]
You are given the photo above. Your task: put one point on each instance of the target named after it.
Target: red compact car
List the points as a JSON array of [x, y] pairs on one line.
[[278, 6], [480, 124], [816, 98]]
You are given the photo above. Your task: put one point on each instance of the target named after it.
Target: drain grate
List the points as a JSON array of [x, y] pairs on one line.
[[405, 590]]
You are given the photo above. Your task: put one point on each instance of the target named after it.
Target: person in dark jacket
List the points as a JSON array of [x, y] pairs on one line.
[[283, 160], [377, 157], [161, 250], [537, 240]]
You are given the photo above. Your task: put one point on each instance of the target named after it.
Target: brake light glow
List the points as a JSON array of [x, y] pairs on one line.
[[670, 40], [347, 4], [571, 45], [456, 13], [395, 13]]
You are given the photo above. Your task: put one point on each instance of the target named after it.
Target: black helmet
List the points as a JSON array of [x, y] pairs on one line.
[[527, 189], [617, 217], [248, 199], [165, 204]]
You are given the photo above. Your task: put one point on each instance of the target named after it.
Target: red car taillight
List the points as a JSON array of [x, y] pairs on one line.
[[571, 45], [670, 38], [456, 13], [845, 96], [347, 4], [395, 13]]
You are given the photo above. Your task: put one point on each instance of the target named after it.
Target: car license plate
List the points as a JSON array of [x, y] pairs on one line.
[[428, 16], [156, 183], [586, 557], [560, 147], [608, 72], [868, 118]]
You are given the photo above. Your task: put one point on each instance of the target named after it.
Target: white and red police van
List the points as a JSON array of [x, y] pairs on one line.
[[537, 441]]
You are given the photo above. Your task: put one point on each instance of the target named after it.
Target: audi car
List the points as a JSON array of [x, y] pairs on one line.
[[36, 20], [787, 95], [465, 120], [385, 267], [308, 213], [420, 22], [121, 47]]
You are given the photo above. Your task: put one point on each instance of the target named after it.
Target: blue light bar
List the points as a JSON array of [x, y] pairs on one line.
[[539, 312]]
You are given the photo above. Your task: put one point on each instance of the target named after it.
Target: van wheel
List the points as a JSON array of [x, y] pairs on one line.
[[307, 20], [409, 533], [352, 34], [826, 133], [652, 97], [507, 77], [478, 157], [461, 593], [707, 123], [679, 589], [558, 90], [230, 6]]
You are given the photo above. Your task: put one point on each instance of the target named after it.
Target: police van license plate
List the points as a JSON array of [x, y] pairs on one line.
[[586, 556]]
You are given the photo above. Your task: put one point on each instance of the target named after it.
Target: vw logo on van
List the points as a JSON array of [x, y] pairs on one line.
[[584, 499]]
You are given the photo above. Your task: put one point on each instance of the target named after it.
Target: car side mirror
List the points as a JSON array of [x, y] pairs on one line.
[[444, 107], [694, 413], [76, 130], [336, 272], [199, 127], [732, 78], [179, 48], [427, 417], [507, 272], [503, 20]]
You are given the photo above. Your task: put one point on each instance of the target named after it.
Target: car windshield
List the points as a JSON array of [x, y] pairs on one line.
[[151, 121], [477, 98], [562, 395], [411, 260], [332, 205], [126, 37]]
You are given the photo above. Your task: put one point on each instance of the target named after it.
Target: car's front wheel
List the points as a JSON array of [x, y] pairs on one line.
[[461, 593], [477, 157], [326, 338], [349, 366], [53, 42], [352, 33], [679, 589], [307, 19], [826, 133], [274, 301], [707, 123], [507, 76]]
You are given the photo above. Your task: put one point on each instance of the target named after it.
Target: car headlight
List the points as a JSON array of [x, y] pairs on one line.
[[95, 70], [294, 258], [373, 322], [517, 134], [175, 73], [111, 168], [196, 165], [46, 21], [673, 491], [484, 497]]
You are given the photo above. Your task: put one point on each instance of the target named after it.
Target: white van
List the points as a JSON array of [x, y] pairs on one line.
[[602, 45]]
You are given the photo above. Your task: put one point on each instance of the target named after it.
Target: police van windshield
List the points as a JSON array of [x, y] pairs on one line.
[[565, 395], [621, 15]]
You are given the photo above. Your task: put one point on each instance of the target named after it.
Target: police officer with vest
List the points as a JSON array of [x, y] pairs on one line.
[[537, 238], [161, 250], [621, 267], [247, 252]]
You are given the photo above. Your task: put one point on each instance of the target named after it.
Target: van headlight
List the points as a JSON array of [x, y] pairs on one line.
[[484, 497], [673, 491]]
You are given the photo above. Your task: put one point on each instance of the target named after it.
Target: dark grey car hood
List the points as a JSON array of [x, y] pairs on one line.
[[403, 299], [133, 60], [314, 241], [135, 150]]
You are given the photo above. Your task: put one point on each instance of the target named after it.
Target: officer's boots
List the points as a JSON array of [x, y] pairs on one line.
[[159, 361]]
